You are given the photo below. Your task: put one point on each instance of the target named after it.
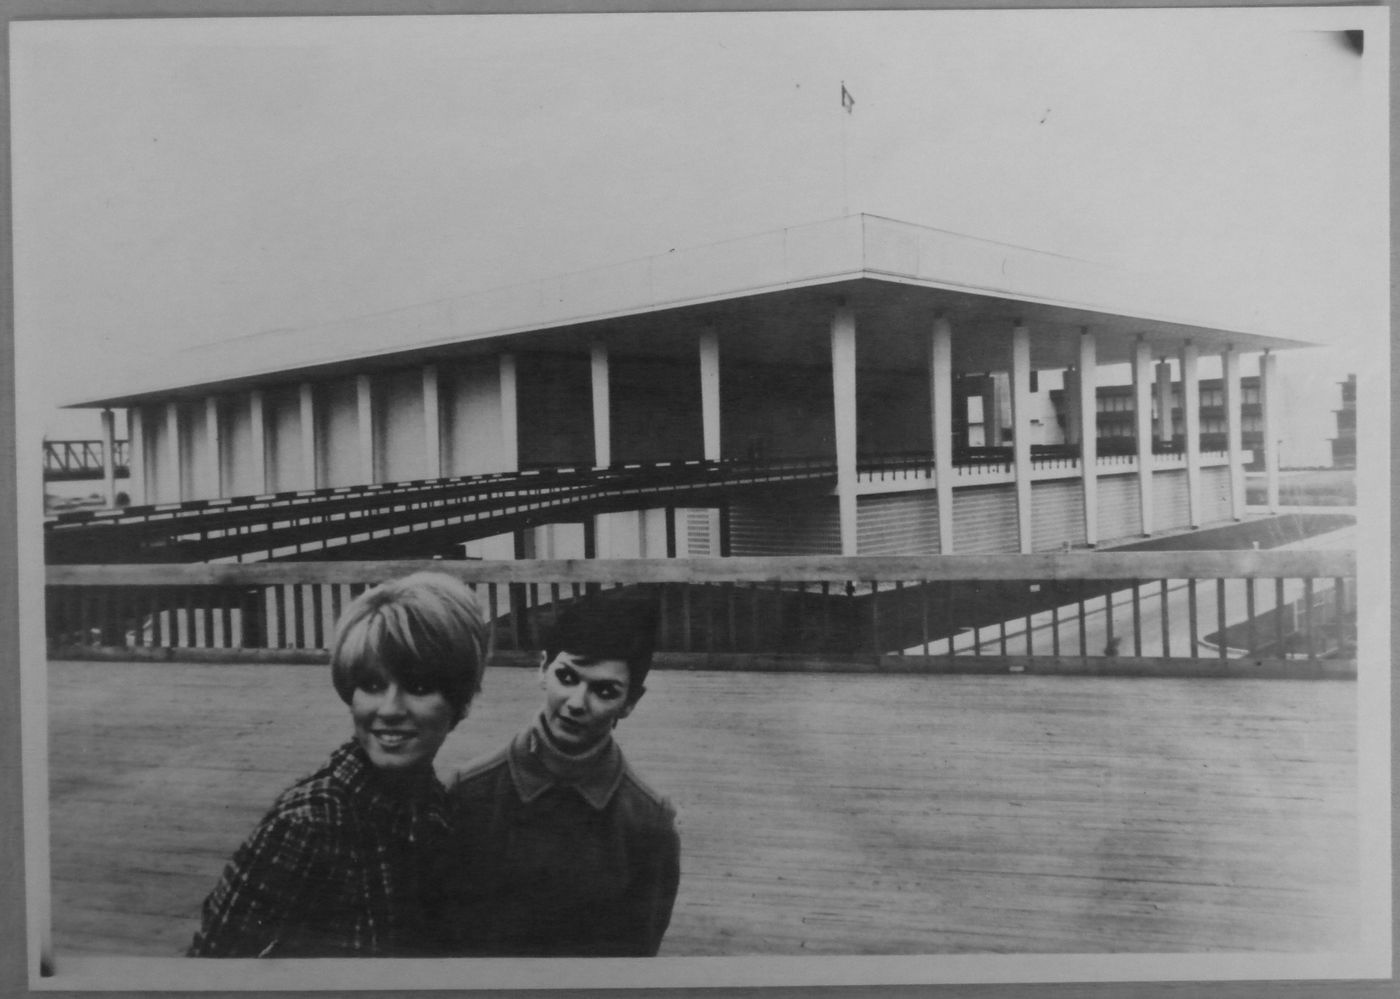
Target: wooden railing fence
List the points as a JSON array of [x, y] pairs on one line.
[[1250, 613]]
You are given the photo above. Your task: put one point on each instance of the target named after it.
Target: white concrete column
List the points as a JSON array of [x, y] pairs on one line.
[[710, 394], [306, 398], [996, 407], [510, 414], [1021, 430], [109, 458], [602, 536], [1191, 429], [257, 434], [843, 387], [1142, 419], [432, 424], [602, 408], [171, 463], [1087, 384], [136, 455], [1164, 400], [364, 408], [213, 447], [1270, 405], [940, 377], [1230, 384], [1072, 396]]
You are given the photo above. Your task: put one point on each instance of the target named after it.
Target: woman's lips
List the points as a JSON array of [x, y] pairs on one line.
[[393, 738]]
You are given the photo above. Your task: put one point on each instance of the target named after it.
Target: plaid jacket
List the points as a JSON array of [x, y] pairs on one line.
[[339, 866]]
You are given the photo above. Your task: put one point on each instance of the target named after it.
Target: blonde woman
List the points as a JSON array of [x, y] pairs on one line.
[[342, 865]]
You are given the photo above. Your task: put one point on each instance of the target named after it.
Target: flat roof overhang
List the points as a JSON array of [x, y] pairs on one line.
[[770, 298]]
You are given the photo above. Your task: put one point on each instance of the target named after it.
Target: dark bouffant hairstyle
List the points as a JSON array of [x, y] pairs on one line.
[[612, 625]]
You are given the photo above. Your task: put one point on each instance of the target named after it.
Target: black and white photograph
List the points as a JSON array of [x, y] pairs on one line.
[[740, 498]]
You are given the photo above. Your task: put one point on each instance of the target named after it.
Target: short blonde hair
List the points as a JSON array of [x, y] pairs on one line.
[[427, 626]]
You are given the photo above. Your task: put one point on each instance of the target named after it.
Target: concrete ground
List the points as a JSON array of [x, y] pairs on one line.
[[834, 814]]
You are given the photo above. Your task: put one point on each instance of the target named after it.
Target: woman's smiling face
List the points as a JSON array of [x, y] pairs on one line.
[[400, 723], [583, 699]]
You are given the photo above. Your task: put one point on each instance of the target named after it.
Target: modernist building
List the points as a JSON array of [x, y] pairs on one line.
[[902, 356]]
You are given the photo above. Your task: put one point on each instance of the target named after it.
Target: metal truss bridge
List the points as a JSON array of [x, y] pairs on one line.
[[75, 461]]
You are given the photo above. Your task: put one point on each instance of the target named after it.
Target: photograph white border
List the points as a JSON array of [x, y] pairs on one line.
[[1375, 749]]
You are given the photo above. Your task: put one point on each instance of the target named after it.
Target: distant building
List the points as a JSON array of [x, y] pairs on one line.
[[1344, 444], [1116, 415]]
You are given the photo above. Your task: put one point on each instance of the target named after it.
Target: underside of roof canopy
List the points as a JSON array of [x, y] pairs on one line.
[[770, 299]]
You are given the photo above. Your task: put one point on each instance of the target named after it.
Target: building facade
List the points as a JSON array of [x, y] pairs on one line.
[[902, 356], [1116, 417]]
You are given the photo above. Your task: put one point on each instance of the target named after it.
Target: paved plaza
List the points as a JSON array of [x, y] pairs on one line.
[[819, 814]]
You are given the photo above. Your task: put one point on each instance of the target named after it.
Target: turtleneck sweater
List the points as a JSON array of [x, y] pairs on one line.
[[557, 854], [593, 773]]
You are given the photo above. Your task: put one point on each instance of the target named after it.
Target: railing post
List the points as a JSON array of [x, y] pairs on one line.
[[950, 620], [923, 614], [1166, 623], [1192, 630], [875, 620], [1310, 645], [1110, 644], [1251, 636], [1137, 618], [1339, 589], [1083, 624]]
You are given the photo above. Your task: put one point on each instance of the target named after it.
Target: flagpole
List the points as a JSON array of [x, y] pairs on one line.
[[845, 201], [847, 103]]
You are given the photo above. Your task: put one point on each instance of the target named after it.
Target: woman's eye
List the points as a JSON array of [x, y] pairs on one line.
[[371, 685], [608, 693], [566, 676], [420, 688]]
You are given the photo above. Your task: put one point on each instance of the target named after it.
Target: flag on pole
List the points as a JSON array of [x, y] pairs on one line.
[[847, 101]]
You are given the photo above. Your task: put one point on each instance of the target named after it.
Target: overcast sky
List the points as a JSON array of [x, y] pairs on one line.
[[182, 181]]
